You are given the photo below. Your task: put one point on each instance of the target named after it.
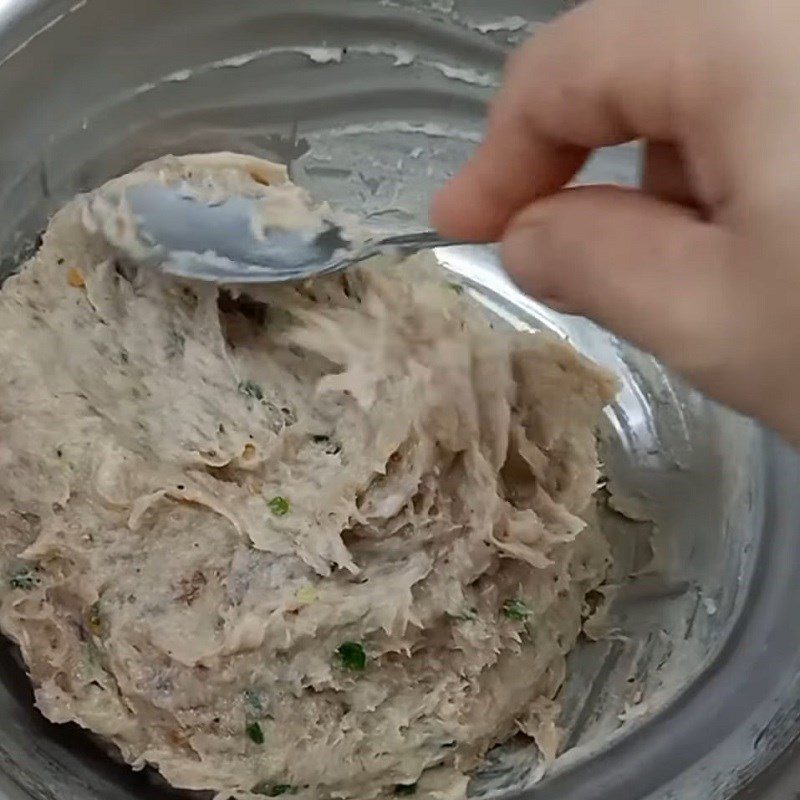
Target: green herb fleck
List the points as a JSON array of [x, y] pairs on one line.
[[251, 389], [279, 789], [279, 506], [516, 609], [352, 656], [467, 615], [253, 730], [25, 579], [456, 287], [405, 789], [175, 345]]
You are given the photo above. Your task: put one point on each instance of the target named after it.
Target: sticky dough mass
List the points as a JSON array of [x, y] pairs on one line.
[[325, 539]]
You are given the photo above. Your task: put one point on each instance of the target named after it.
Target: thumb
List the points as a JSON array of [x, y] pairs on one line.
[[651, 271]]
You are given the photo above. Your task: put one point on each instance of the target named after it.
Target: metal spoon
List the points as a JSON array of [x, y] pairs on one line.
[[188, 237]]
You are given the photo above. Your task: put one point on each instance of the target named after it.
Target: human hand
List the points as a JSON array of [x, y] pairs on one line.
[[702, 266]]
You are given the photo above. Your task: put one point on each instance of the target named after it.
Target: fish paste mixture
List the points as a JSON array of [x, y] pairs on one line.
[[330, 540]]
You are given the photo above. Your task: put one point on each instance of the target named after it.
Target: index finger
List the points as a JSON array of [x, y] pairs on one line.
[[605, 73]]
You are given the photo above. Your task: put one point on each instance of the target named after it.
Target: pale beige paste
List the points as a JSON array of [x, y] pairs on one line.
[[205, 496]]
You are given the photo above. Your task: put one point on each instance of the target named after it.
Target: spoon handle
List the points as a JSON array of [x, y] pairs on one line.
[[418, 241]]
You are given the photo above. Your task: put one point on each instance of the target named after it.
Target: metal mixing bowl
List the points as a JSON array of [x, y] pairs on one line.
[[373, 103]]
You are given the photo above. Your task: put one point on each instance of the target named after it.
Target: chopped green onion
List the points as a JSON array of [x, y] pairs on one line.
[[25, 579], [274, 790], [279, 789], [255, 733], [516, 609], [352, 656], [279, 506], [176, 344], [251, 389], [467, 615]]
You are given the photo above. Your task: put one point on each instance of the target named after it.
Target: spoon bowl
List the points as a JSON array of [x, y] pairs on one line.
[[227, 242]]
